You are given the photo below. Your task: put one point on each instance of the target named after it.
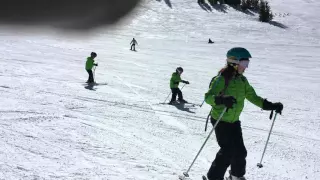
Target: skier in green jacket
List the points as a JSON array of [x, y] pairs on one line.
[[89, 65], [174, 86], [229, 89]]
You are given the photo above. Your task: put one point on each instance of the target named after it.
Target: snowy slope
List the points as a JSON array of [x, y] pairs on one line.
[[53, 127]]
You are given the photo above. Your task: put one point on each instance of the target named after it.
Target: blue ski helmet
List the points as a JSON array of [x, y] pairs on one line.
[[238, 53]]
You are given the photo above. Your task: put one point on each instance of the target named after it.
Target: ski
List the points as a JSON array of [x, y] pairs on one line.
[[180, 104], [203, 178], [95, 84], [192, 104], [181, 177]]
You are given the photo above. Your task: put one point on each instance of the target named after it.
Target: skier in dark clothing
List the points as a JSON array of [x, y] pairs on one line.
[[229, 89], [89, 65], [210, 41], [174, 85], [133, 44]]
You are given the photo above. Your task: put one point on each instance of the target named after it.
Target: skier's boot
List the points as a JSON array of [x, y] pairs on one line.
[[173, 102], [232, 177], [235, 178], [205, 178]]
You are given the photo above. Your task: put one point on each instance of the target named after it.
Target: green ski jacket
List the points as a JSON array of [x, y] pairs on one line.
[[239, 88]]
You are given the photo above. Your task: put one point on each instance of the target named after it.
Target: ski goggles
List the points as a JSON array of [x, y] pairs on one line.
[[244, 63]]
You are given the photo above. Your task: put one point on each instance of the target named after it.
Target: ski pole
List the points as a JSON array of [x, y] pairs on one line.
[[205, 128], [94, 73], [265, 147], [170, 93], [202, 103], [214, 126]]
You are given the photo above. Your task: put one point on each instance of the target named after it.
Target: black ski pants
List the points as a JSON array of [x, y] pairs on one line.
[[90, 79], [133, 47], [232, 151], [175, 92]]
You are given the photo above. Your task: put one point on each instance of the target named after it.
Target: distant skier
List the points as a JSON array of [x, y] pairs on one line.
[[133, 44], [89, 65], [210, 41], [229, 89], [174, 85]]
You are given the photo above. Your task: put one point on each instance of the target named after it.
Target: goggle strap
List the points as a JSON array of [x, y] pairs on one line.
[[232, 61]]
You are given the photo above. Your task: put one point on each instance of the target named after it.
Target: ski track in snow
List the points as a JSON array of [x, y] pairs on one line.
[[53, 126]]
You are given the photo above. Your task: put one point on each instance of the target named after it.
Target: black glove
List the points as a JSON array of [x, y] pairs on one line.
[[226, 100], [272, 106], [186, 82]]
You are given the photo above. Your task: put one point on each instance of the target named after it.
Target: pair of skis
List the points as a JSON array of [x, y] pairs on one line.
[[181, 103], [203, 178]]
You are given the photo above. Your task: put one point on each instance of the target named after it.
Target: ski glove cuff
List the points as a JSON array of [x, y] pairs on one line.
[[228, 101], [278, 106]]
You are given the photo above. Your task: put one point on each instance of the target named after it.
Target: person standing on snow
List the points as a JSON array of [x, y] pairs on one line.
[[133, 44], [89, 65], [174, 86], [229, 89]]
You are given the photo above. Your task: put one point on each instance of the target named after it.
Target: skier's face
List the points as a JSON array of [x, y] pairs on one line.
[[242, 66]]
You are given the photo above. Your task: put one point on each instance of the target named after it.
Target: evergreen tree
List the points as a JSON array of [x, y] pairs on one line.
[[244, 5], [265, 14], [255, 4], [268, 12], [249, 4]]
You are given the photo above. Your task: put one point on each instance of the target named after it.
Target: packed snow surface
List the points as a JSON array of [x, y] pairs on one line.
[[53, 126]]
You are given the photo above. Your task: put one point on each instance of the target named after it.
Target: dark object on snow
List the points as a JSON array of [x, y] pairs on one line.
[[133, 44], [210, 41], [64, 14], [232, 2]]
